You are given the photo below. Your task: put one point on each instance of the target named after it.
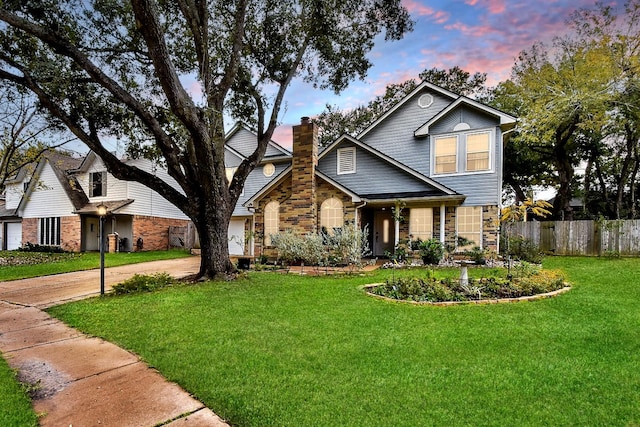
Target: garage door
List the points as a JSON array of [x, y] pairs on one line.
[[14, 235], [236, 237]]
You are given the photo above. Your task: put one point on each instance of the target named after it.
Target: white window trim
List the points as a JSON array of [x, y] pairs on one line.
[[462, 153], [433, 154], [340, 153], [491, 144]]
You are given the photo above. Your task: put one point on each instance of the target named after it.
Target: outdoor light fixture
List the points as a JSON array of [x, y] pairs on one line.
[[102, 212]]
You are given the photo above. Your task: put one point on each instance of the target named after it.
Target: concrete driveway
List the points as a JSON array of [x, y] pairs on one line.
[[86, 381]]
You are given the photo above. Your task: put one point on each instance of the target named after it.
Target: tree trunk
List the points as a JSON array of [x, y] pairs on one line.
[[562, 204], [213, 226]]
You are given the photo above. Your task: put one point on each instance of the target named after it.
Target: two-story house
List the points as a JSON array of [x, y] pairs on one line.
[[55, 203], [435, 159], [430, 167]]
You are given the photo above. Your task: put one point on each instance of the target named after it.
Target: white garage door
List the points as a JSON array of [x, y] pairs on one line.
[[236, 237], [14, 235]]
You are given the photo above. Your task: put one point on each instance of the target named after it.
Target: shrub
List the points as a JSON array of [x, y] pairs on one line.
[[143, 283], [34, 247], [523, 249], [431, 251], [346, 246]]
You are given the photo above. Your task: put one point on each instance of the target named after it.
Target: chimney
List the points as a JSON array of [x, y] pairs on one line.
[[303, 177]]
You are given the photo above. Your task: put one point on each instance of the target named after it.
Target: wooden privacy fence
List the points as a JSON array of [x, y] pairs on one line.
[[182, 237], [610, 237]]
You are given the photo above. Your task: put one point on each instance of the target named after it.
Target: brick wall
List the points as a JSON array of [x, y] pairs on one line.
[[70, 233], [154, 231], [30, 230]]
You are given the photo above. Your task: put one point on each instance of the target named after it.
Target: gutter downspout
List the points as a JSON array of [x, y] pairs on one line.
[[502, 134]]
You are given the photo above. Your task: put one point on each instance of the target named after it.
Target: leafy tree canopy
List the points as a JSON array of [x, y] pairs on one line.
[[124, 68]]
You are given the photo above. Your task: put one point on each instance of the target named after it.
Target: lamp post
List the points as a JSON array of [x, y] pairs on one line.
[[102, 212]]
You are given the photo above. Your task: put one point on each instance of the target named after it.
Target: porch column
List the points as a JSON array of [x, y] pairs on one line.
[[443, 218]]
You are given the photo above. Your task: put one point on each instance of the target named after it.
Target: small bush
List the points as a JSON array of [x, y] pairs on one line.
[[524, 250], [431, 251], [33, 247], [143, 283]]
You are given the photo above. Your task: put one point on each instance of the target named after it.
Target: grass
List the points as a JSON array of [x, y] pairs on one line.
[[278, 349], [43, 264], [15, 406]]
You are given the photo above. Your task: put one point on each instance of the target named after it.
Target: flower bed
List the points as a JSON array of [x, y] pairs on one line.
[[438, 290]]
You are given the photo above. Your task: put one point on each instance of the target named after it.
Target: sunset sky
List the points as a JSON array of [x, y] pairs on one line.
[[477, 35]]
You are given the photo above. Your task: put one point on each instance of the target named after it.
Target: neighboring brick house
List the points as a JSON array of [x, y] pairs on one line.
[[55, 203], [435, 156]]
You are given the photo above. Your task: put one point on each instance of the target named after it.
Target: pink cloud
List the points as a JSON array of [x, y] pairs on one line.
[[493, 6], [416, 8]]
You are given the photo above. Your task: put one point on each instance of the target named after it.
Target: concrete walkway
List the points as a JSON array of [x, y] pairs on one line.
[[85, 381]]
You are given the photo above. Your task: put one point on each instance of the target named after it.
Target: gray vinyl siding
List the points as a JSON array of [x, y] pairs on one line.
[[373, 175], [481, 188], [395, 138], [395, 135], [254, 183], [245, 142], [231, 160], [463, 114]]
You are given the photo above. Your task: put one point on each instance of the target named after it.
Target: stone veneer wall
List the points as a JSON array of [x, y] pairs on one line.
[[325, 191], [301, 210], [490, 224], [154, 231]]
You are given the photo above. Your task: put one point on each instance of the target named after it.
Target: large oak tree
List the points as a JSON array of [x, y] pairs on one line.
[[119, 68]]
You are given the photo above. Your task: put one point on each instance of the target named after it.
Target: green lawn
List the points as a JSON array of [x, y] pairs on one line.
[[42, 264], [15, 406], [279, 349]]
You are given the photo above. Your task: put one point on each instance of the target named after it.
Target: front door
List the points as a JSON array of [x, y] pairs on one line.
[[383, 233], [92, 234]]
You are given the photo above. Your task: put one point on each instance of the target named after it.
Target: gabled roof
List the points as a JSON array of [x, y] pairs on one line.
[[387, 159], [506, 121], [6, 213], [60, 164], [425, 84], [274, 182], [432, 189], [274, 150]]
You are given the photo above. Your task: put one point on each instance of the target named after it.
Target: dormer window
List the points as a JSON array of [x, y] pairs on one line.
[[97, 184], [464, 152], [346, 160]]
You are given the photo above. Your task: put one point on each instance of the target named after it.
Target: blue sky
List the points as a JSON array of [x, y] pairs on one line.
[[477, 35]]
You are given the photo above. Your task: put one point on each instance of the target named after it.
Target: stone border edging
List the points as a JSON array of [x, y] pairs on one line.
[[551, 294]]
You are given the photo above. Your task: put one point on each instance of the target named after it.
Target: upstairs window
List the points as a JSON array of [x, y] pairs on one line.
[[462, 152], [477, 152], [347, 160], [97, 184], [446, 154]]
